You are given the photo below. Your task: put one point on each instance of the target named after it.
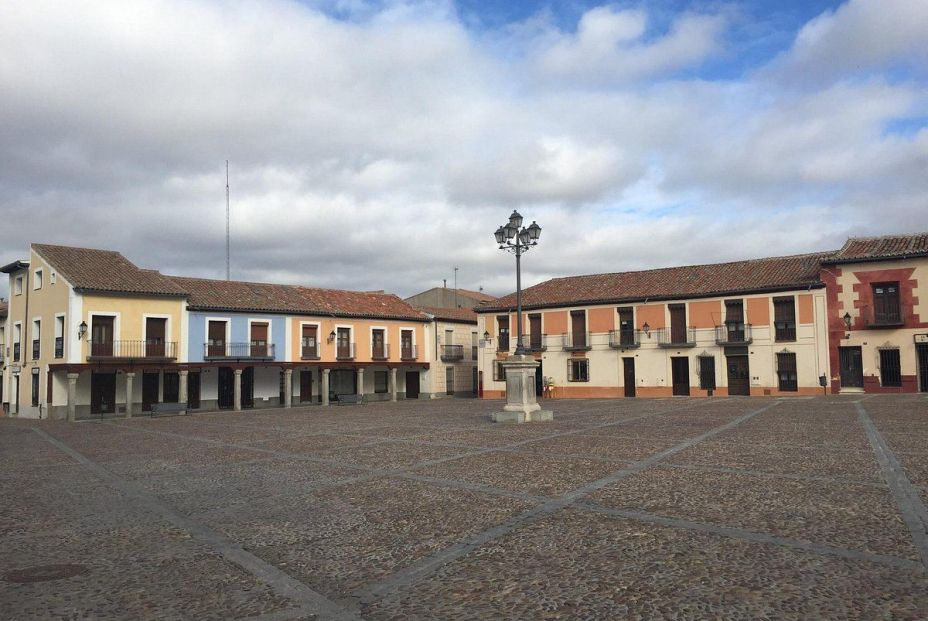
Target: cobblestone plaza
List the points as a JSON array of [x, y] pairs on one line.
[[678, 508]]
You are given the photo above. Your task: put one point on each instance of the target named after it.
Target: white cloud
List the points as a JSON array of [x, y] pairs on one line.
[[381, 150]]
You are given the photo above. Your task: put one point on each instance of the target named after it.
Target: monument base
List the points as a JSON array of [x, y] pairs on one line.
[[521, 403]]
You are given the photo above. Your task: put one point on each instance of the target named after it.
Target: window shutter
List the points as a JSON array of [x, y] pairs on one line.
[[570, 371]]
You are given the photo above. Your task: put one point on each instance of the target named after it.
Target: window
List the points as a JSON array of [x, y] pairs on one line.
[[886, 304], [786, 372], [59, 337], [380, 381], [17, 339], [707, 372], [216, 338], [535, 338], [378, 344], [577, 339], [36, 338], [259, 332], [449, 381], [890, 370], [343, 346], [18, 285], [784, 318], [578, 370], [626, 326], [499, 372], [35, 388], [473, 345], [53, 278], [502, 341], [37, 279], [407, 348], [309, 343]]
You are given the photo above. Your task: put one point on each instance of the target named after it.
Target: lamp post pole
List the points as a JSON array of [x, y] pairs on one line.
[[519, 349]]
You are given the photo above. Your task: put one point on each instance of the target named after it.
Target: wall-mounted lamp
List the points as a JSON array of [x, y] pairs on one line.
[[331, 336], [647, 329], [81, 330], [486, 336], [847, 320]]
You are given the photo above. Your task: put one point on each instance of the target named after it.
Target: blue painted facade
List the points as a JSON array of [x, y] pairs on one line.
[[196, 331]]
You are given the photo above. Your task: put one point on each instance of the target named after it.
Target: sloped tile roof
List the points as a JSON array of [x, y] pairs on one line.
[[690, 281], [206, 294], [480, 296], [462, 315], [105, 271], [878, 248]]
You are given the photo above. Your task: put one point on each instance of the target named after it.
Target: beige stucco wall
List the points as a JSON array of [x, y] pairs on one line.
[[361, 336], [462, 334], [131, 313], [653, 363]]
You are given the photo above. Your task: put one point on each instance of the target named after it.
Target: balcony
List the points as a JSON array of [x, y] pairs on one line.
[[59, 347], [36, 349], [380, 351], [451, 353], [577, 342], [534, 342], [784, 330], [15, 352], [132, 350], [624, 339], [408, 352], [238, 351], [309, 352], [344, 351], [880, 320], [676, 337], [502, 342], [733, 333]]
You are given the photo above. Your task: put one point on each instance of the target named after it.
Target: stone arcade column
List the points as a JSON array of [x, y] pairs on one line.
[[72, 396], [130, 379], [521, 404], [288, 388], [324, 389], [393, 384], [182, 390], [237, 391], [361, 382]]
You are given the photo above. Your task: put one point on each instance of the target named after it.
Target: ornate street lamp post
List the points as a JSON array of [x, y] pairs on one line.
[[521, 402]]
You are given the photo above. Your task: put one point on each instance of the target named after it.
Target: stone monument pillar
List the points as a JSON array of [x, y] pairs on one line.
[[521, 404]]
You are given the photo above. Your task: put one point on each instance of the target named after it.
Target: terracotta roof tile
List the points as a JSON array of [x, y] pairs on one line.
[[480, 296], [272, 298], [690, 281], [884, 247], [105, 270], [450, 314]]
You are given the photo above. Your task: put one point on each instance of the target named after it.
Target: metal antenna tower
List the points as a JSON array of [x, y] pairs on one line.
[[228, 269]]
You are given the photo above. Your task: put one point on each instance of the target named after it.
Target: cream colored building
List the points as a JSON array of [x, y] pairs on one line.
[[453, 355]]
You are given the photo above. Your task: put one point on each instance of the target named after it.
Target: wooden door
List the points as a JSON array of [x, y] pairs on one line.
[[628, 373], [226, 388], [678, 325], [378, 345], [406, 345], [172, 387], [921, 353], [306, 386], [102, 393], [193, 390], [626, 326], [412, 384], [707, 372], [310, 344], [248, 387], [259, 347], [216, 339], [578, 328], [852, 368], [155, 334], [734, 320], [534, 332], [739, 375], [101, 336], [539, 380], [680, 372], [150, 385]]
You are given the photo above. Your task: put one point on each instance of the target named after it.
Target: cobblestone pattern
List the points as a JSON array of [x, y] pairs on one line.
[[783, 515]]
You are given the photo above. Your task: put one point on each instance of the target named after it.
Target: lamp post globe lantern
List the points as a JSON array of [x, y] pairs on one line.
[[515, 238]]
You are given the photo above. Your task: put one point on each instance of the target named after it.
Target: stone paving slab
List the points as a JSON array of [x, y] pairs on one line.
[[543, 474], [780, 459], [345, 536], [837, 514], [392, 455], [612, 447], [581, 565]]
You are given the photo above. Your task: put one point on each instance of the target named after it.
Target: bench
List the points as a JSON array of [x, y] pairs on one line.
[[349, 399], [168, 408]]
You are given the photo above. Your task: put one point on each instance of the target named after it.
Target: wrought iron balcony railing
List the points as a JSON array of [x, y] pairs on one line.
[[734, 333], [380, 351], [15, 352], [888, 318], [408, 352], [676, 337], [36, 349], [239, 351], [784, 330], [309, 352], [624, 339], [502, 342], [59, 347], [577, 342], [450, 353], [344, 351], [534, 342], [133, 349]]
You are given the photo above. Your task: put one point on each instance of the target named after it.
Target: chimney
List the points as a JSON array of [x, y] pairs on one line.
[[444, 283]]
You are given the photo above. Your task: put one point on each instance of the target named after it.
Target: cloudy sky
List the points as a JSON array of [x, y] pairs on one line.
[[378, 145]]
